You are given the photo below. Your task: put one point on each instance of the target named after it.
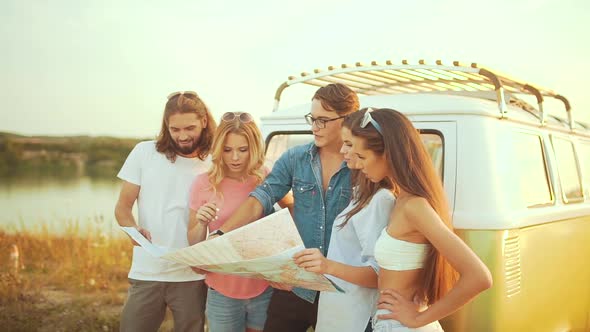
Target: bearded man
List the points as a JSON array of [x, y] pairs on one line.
[[158, 174]]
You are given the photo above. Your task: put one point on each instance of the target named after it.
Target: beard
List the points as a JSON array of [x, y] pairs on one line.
[[186, 149]]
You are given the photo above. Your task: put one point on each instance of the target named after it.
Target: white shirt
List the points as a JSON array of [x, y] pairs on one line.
[[354, 245], [162, 208]]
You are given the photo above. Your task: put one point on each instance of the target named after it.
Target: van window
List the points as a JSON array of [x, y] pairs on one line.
[[434, 146], [567, 168], [532, 176], [584, 155], [279, 142]]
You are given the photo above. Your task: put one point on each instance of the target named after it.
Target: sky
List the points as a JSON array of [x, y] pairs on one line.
[[70, 67]]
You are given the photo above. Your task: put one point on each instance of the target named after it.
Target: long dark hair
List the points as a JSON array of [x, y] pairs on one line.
[[186, 103], [364, 189], [412, 170]]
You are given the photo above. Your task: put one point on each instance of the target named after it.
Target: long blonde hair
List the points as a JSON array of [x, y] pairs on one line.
[[253, 136]]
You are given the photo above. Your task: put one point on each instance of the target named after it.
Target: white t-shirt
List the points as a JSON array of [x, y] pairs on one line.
[[162, 208], [354, 245]]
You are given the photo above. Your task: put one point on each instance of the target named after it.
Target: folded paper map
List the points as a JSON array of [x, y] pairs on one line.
[[262, 249]]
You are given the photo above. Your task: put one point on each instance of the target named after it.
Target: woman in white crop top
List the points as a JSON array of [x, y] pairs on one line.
[[419, 255], [350, 262]]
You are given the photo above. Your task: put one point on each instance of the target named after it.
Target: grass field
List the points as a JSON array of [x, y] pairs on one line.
[[72, 282]]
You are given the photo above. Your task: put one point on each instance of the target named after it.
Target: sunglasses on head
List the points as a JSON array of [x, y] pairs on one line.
[[178, 93], [367, 118], [242, 116]]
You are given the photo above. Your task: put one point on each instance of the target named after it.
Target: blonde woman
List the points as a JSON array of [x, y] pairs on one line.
[[233, 303]]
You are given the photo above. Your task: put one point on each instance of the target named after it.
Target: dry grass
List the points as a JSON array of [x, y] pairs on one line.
[[71, 282]]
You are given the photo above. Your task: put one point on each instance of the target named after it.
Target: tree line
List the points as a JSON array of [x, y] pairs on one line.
[[62, 156]]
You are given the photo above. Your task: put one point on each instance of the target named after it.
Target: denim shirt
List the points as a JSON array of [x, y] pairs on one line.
[[314, 211]]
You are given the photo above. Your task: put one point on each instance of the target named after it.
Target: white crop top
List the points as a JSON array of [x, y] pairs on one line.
[[399, 255]]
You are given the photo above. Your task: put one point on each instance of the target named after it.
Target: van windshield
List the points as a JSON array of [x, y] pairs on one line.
[[279, 142]]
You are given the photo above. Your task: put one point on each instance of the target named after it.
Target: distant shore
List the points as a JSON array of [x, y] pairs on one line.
[[62, 156]]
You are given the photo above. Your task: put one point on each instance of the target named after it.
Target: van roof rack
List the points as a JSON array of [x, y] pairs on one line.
[[404, 78]]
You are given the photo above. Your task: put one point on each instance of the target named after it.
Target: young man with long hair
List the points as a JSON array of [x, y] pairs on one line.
[[158, 174]]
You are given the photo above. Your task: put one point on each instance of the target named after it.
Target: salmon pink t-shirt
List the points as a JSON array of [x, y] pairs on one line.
[[234, 193]]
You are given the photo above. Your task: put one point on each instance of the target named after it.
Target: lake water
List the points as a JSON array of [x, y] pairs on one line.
[[60, 205]]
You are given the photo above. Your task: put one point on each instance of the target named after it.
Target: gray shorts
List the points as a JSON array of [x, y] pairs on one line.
[[146, 304]]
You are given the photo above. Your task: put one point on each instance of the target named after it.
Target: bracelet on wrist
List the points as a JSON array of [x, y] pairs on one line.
[[217, 232]]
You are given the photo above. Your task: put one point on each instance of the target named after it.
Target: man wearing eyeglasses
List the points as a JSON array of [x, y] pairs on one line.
[[158, 174], [320, 182]]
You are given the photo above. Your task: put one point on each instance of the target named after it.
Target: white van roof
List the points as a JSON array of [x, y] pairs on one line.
[[433, 104], [473, 99], [390, 85]]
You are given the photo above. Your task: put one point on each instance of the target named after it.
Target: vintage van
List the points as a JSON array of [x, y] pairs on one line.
[[517, 180]]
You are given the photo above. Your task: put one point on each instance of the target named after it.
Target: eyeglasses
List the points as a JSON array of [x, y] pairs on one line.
[[178, 93], [242, 116], [367, 118], [320, 123]]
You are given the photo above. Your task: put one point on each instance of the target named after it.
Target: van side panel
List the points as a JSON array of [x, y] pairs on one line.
[[541, 279], [506, 194]]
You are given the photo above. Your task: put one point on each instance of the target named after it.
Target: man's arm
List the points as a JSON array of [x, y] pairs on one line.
[[274, 188], [123, 209], [249, 211], [287, 202]]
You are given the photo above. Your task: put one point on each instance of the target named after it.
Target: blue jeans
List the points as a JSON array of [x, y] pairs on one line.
[[225, 314]]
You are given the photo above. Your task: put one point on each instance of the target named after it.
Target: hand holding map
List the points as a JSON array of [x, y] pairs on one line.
[[262, 249]]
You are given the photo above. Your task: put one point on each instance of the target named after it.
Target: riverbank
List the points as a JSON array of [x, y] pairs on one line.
[[63, 283], [62, 156]]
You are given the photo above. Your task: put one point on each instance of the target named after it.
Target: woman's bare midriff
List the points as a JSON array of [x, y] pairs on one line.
[[403, 282]]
